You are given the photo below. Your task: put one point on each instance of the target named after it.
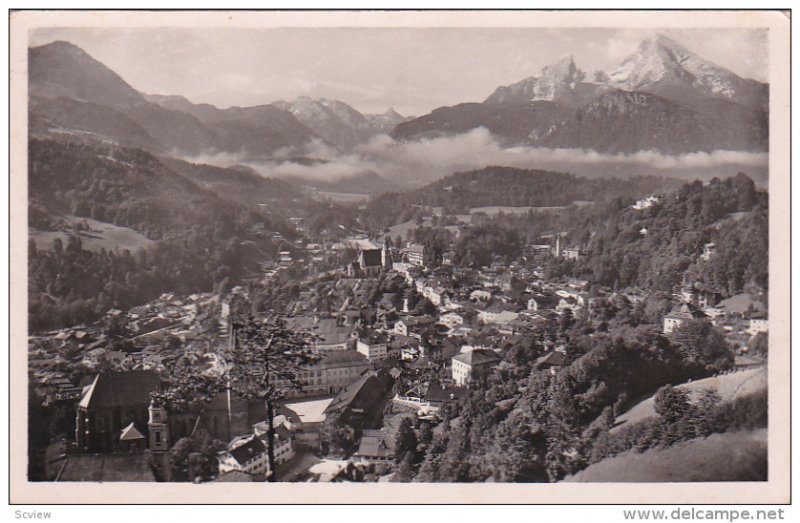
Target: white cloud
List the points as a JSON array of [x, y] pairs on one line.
[[425, 160]]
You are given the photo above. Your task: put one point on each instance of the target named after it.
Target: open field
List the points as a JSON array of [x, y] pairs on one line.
[[100, 235], [733, 456]]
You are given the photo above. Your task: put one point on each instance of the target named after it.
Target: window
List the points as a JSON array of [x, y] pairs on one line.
[[158, 436]]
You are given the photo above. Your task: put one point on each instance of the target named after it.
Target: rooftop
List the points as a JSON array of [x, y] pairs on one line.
[[244, 453], [477, 357], [120, 389], [686, 311], [377, 444]]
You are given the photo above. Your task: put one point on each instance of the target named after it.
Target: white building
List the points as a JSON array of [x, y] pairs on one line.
[[645, 203], [758, 324], [435, 294], [480, 295], [679, 315], [708, 251], [373, 345], [250, 455], [502, 317], [469, 365], [415, 254], [452, 320]]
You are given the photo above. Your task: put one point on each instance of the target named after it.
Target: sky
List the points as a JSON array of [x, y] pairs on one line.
[[413, 70]]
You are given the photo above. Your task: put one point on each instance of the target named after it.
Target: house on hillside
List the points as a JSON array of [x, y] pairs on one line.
[[437, 396], [376, 446], [709, 249], [758, 323], [552, 361], [700, 295], [542, 302], [469, 365], [681, 314]]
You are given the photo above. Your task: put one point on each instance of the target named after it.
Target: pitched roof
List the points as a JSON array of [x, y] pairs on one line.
[[477, 357], [553, 359], [377, 444], [741, 303], [411, 321], [362, 393], [686, 311], [121, 389], [437, 393], [373, 338], [290, 415], [342, 357], [244, 453], [130, 433]]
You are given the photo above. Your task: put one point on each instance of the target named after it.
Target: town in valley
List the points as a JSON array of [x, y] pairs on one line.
[[210, 321]]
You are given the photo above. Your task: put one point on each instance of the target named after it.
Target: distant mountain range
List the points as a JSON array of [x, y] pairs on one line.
[[663, 97], [73, 95], [338, 123]]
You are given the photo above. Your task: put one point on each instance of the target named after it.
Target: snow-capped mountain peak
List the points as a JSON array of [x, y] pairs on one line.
[[561, 81], [662, 66]]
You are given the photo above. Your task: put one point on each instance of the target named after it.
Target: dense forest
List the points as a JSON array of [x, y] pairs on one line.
[[507, 186], [127, 187], [656, 248], [525, 424], [202, 238]]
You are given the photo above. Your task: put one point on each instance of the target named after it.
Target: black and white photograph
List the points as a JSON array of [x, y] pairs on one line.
[[395, 249]]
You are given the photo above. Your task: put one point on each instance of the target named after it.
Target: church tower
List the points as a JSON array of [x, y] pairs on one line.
[[386, 256], [157, 428]]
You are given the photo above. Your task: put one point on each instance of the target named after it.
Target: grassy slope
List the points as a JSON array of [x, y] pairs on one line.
[[101, 235], [737, 456], [728, 386]]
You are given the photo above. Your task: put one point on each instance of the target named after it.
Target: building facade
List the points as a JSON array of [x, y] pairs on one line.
[[470, 365]]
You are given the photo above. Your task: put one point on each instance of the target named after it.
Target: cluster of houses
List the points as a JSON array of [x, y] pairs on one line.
[[739, 317], [371, 347], [62, 362]]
